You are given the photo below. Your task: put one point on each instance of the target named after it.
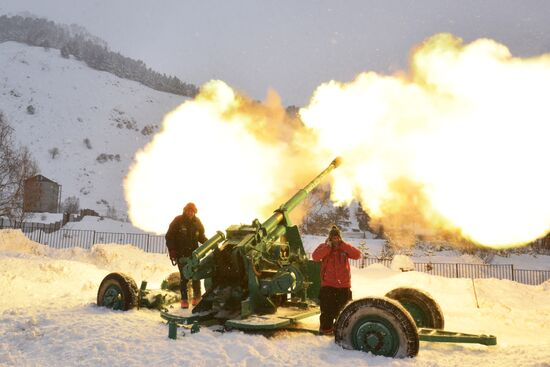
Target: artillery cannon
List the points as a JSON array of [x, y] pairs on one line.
[[256, 268], [250, 270], [259, 277]]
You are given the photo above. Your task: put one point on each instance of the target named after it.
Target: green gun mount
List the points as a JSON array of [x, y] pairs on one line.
[[256, 268], [258, 278]]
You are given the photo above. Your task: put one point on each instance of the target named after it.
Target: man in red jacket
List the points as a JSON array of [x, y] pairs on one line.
[[335, 277]]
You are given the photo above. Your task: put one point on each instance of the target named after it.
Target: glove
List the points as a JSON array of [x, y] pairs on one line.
[[173, 256], [329, 243]]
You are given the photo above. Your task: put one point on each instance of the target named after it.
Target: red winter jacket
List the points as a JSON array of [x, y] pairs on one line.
[[335, 264]]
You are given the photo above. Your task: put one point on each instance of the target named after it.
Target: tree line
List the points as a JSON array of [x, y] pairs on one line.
[[76, 41]]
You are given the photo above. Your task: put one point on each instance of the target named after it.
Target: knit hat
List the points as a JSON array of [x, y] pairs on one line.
[[190, 206], [334, 231]]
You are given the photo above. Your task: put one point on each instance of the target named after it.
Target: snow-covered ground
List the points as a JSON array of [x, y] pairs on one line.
[[43, 218], [49, 317], [83, 113], [102, 224], [374, 249]]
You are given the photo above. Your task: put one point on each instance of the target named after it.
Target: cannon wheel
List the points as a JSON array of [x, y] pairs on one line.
[[377, 325], [118, 292], [424, 310]]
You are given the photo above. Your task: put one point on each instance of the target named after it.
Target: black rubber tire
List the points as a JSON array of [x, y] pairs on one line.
[[382, 312], [422, 302], [127, 292]]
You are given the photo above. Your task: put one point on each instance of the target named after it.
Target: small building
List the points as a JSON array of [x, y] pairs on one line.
[[41, 195]]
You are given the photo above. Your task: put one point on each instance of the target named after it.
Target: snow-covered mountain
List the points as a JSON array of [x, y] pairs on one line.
[[82, 126]]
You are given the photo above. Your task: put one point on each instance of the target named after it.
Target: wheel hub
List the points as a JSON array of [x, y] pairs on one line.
[[374, 341], [376, 336], [112, 298]]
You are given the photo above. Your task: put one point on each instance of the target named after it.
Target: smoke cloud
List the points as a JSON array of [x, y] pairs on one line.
[[458, 144]]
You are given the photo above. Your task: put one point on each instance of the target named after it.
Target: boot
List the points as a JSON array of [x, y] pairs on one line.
[[184, 303]]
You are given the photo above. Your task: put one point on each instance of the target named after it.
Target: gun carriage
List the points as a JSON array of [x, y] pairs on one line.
[[259, 277]]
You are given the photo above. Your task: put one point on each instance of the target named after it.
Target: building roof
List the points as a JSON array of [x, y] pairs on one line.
[[40, 178]]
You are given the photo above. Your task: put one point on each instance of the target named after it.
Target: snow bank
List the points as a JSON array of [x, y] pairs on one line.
[[48, 317], [34, 274], [13, 240], [402, 263]]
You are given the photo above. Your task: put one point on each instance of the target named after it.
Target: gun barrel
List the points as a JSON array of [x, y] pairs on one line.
[[299, 197], [192, 262], [302, 194], [269, 225], [212, 242]]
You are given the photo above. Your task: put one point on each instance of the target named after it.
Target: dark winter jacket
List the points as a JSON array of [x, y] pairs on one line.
[[183, 236], [335, 271]]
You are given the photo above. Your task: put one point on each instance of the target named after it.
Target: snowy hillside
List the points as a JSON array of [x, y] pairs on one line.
[[81, 125], [50, 317]]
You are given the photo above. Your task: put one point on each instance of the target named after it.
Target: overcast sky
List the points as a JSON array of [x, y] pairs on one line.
[[292, 45]]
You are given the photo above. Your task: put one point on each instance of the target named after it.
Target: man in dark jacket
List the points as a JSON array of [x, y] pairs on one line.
[[182, 238], [335, 277]]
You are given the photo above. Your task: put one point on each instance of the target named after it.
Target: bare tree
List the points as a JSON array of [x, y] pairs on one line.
[[54, 152], [87, 143], [111, 212], [16, 165], [71, 205]]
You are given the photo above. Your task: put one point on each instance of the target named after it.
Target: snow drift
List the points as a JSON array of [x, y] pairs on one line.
[[49, 317]]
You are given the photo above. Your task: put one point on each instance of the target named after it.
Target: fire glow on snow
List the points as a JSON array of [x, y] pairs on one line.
[[456, 144]]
